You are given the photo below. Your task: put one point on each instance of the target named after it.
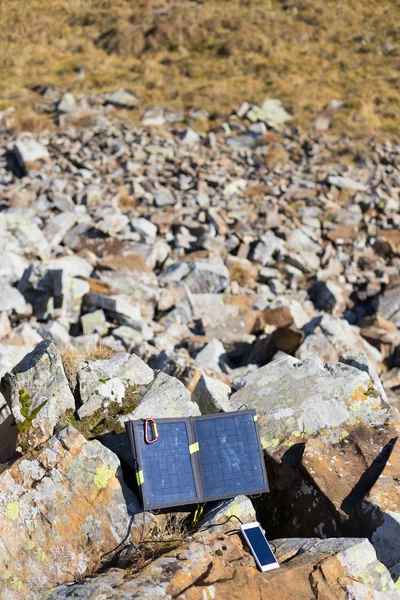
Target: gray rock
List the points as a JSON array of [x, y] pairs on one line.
[[57, 228], [213, 356], [146, 228], [333, 336], [359, 360], [389, 305], [241, 506], [12, 300], [154, 117], [67, 104], [164, 197], [28, 150], [212, 396], [12, 267], [249, 139], [118, 307], [62, 508], [5, 325], [346, 183], [37, 387], [356, 556], [272, 110], [71, 266], [166, 397], [129, 336], [267, 247], [300, 398], [207, 276], [53, 292], [94, 322], [22, 235], [123, 99], [55, 331], [303, 251], [103, 382], [175, 272], [190, 138]]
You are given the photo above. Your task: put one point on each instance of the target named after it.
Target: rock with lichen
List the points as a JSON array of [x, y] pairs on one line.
[[62, 508], [109, 388], [296, 399], [38, 394], [211, 565], [166, 397]]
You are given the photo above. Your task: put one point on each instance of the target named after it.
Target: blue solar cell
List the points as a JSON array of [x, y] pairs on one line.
[[167, 466], [229, 455]]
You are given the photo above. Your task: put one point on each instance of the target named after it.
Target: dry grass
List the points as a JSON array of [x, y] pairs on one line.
[[164, 534], [73, 358], [213, 54]]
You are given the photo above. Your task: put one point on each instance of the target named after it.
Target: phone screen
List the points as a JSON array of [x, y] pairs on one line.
[[260, 546]]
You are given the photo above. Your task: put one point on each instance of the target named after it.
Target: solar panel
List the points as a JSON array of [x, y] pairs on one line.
[[167, 465], [229, 455], [197, 459]]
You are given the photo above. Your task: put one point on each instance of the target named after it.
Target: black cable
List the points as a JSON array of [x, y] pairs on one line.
[[220, 524]]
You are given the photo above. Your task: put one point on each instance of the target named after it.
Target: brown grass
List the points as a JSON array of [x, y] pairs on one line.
[[73, 358], [165, 533], [212, 54]]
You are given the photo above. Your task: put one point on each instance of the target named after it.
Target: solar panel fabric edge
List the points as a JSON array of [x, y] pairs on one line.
[[134, 427]]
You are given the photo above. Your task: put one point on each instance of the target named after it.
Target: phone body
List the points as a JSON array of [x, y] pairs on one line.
[[259, 546]]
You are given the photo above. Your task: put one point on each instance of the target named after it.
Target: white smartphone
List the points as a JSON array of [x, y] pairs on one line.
[[259, 546]]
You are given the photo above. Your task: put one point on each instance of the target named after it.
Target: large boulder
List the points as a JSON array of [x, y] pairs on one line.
[[214, 566], [61, 510], [296, 399], [327, 430], [38, 394]]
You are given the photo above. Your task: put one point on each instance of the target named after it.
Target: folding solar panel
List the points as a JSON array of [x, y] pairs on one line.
[[229, 453], [197, 459]]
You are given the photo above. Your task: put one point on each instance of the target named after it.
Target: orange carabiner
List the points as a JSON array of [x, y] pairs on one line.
[[155, 432]]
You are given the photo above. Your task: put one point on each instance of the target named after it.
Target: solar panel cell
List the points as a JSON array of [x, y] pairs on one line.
[[167, 465], [229, 455]]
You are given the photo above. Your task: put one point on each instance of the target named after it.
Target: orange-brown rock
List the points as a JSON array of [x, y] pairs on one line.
[[218, 567], [61, 509]]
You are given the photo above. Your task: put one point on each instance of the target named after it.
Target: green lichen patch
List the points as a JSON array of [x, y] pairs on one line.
[[105, 420], [103, 476], [12, 511], [25, 402], [40, 555]]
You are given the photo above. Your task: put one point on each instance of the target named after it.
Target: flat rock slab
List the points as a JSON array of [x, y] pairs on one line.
[[61, 509], [212, 566], [295, 399], [345, 472]]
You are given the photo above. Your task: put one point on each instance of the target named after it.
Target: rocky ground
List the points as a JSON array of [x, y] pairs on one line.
[[159, 271]]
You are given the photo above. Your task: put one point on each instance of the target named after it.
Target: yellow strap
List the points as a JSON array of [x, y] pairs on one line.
[[255, 418], [194, 447], [155, 429], [139, 477]]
